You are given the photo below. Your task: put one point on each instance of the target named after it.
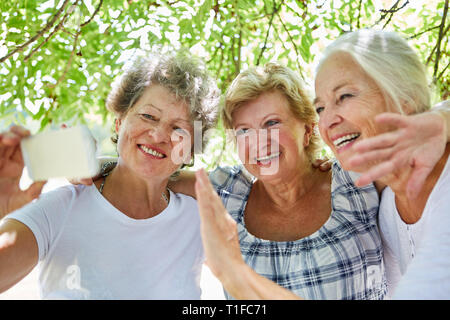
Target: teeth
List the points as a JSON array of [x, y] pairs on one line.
[[342, 141], [268, 157], [152, 152]]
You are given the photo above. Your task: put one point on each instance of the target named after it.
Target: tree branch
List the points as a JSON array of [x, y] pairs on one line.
[[56, 29], [93, 15], [441, 35], [394, 8], [442, 72], [390, 12], [358, 25], [275, 10], [435, 47], [293, 44], [38, 35], [422, 32], [237, 63], [69, 62]]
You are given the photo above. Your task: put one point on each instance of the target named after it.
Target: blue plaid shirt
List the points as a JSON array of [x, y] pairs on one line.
[[341, 260]]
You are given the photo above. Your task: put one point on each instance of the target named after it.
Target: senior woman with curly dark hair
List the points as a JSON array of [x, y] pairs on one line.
[[127, 236]]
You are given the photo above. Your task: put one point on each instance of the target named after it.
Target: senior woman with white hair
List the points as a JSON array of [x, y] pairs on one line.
[[127, 236], [362, 75]]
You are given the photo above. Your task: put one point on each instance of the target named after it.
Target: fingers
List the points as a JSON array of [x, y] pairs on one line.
[[85, 181], [208, 224], [9, 145], [322, 164], [203, 181], [206, 195], [13, 136], [210, 205], [394, 119], [10, 139], [21, 131], [375, 173], [203, 194], [316, 163], [370, 156], [384, 140]]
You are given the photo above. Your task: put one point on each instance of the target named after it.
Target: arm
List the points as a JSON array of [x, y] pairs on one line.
[[223, 256], [18, 252], [11, 168], [244, 283], [418, 141], [443, 109], [184, 183]]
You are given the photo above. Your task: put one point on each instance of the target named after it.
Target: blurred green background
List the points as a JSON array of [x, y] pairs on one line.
[[59, 58]]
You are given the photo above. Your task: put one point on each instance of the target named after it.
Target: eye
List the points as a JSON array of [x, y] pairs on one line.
[[270, 123], [319, 109], [241, 131], [344, 96], [181, 131], [148, 116]]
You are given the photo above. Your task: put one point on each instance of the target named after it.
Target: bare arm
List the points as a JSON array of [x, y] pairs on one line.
[[18, 252], [223, 256], [184, 183], [443, 109], [244, 283]]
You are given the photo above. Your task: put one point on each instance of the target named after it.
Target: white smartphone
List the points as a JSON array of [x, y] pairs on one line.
[[65, 153]]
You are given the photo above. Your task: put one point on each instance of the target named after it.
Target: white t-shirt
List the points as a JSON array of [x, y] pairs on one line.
[[88, 249], [403, 242], [428, 275]]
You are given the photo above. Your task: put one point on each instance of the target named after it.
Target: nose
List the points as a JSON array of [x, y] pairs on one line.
[[329, 118], [160, 133]]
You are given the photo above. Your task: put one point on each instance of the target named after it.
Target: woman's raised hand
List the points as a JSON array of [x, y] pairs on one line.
[[418, 141], [11, 168], [218, 229]]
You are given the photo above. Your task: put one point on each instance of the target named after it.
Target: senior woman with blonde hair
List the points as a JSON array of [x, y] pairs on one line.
[[356, 81], [311, 232], [127, 236]]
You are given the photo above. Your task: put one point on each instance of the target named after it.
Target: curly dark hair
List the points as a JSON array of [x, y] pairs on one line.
[[181, 73]]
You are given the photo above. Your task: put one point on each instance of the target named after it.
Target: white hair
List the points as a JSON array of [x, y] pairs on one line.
[[391, 63]]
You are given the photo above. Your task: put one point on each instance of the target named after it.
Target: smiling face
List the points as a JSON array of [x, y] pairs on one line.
[[155, 135], [270, 139], [347, 101]]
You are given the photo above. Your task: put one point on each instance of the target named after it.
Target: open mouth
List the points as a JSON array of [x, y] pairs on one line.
[[268, 158], [345, 140], [151, 152]]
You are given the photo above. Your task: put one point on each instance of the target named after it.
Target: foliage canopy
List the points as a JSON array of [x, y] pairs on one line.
[[58, 58]]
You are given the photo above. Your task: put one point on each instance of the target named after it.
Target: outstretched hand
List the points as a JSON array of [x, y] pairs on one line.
[[418, 142], [218, 229], [11, 168], [323, 165]]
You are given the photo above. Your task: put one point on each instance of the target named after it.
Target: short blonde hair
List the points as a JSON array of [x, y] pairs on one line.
[[250, 84], [394, 66]]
